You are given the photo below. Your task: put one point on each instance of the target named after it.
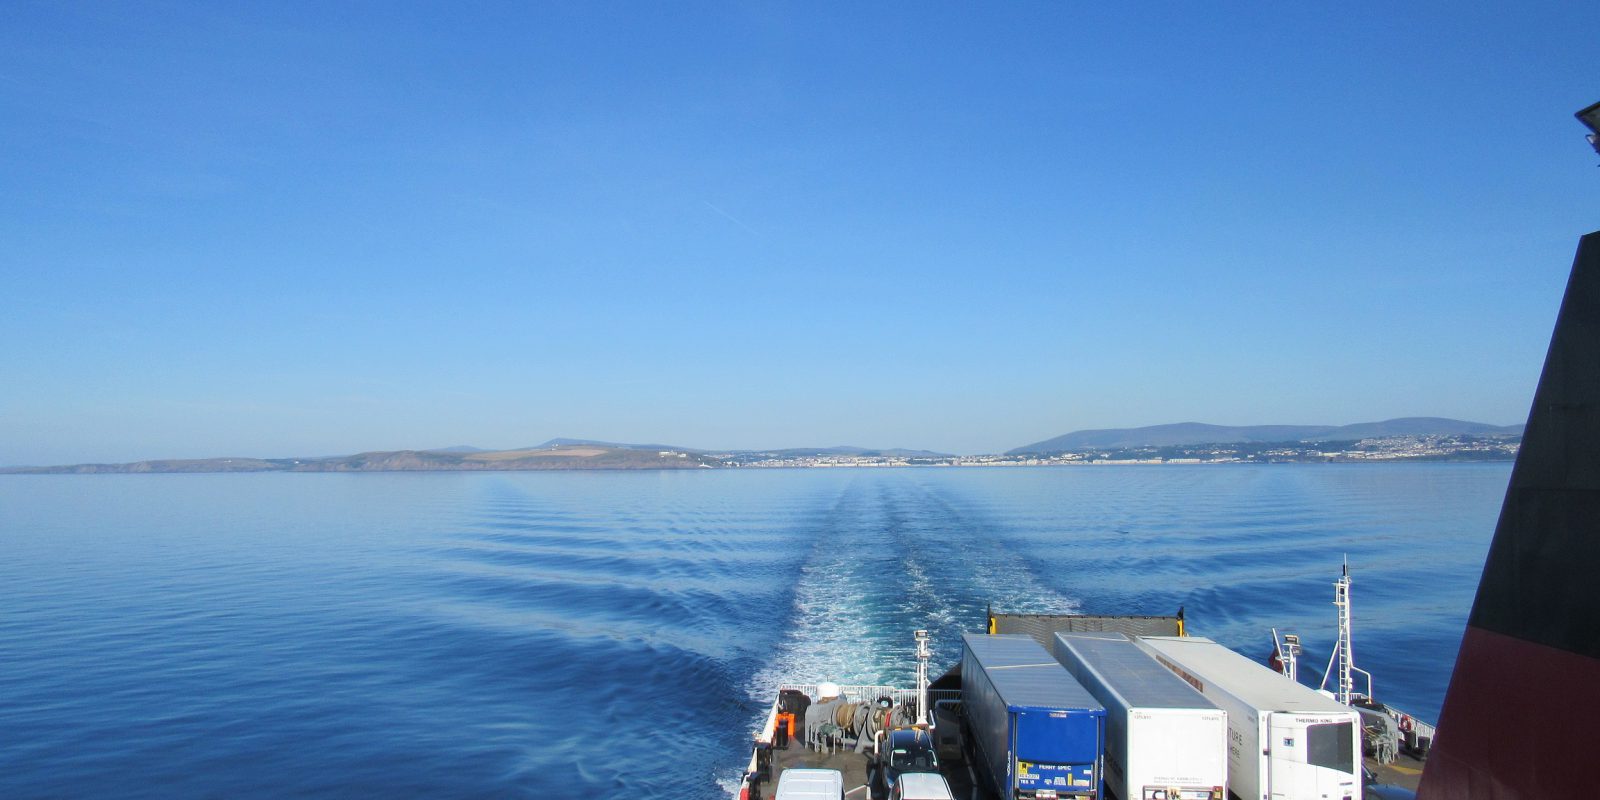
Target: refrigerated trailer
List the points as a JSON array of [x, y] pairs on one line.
[[1164, 740], [1285, 741], [1035, 731]]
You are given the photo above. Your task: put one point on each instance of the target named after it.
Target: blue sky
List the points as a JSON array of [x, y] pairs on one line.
[[298, 229]]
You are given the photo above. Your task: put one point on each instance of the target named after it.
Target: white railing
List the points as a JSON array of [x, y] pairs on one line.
[[860, 693], [1422, 729]]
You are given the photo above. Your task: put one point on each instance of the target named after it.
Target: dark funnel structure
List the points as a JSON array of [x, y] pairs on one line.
[[1522, 717]]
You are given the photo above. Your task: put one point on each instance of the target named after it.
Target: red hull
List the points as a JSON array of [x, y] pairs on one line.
[[1521, 723]]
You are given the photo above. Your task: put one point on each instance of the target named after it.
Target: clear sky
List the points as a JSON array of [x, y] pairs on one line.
[[277, 229]]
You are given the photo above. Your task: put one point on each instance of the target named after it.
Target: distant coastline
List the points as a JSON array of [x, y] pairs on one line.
[[1389, 449], [1418, 439], [561, 457]]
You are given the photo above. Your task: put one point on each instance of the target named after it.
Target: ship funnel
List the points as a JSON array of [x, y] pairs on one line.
[[1530, 660]]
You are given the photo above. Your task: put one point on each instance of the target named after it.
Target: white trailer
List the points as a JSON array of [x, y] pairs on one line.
[[1285, 741], [1164, 740]]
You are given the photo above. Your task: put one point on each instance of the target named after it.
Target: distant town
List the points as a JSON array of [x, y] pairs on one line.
[[1385, 448], [1395, 440]]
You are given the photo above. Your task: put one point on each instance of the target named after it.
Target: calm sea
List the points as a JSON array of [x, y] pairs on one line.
[[561, 635]]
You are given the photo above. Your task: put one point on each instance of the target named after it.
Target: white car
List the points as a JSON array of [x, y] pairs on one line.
[[921, 786], [810, 784]]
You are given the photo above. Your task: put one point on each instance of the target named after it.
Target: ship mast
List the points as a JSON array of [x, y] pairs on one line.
[[1342, 654], [922, 677], [1287, 651], [1341, 599]]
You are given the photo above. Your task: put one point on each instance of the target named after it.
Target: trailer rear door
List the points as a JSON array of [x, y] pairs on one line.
[[1057, 750], [1312, 759]]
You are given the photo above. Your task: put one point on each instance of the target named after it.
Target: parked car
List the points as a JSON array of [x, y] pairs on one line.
[[921, 786], [903, 751], [1372, 790], [810, 784]]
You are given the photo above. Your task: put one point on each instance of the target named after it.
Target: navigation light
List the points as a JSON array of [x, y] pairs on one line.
[[1591, 118]]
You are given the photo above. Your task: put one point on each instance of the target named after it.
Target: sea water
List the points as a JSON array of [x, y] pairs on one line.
[[618, 634]]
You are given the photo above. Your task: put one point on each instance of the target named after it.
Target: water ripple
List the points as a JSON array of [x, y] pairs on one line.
[[555, 635]]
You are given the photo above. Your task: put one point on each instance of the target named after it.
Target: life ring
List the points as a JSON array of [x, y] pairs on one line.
[[1406, 725]]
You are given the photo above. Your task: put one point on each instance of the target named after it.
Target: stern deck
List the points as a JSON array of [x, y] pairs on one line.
[[1405, 771], [843, 757]]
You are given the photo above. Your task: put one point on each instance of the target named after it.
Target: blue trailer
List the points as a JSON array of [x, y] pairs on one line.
[[1035, 730]]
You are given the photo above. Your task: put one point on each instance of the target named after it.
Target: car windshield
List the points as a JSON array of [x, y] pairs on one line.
[[912, 758]]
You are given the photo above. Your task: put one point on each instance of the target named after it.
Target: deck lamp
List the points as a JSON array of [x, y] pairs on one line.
[[1590, 117]]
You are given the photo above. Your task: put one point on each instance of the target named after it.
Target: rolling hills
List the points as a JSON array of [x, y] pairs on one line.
[[1184, 433]]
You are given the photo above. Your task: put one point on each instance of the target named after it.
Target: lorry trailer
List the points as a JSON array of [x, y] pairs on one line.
[[1034, 729], [1164, 740], [1285, 741]]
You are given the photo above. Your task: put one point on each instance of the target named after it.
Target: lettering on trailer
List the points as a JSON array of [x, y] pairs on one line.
[[1038, 776], [1182, 673]]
